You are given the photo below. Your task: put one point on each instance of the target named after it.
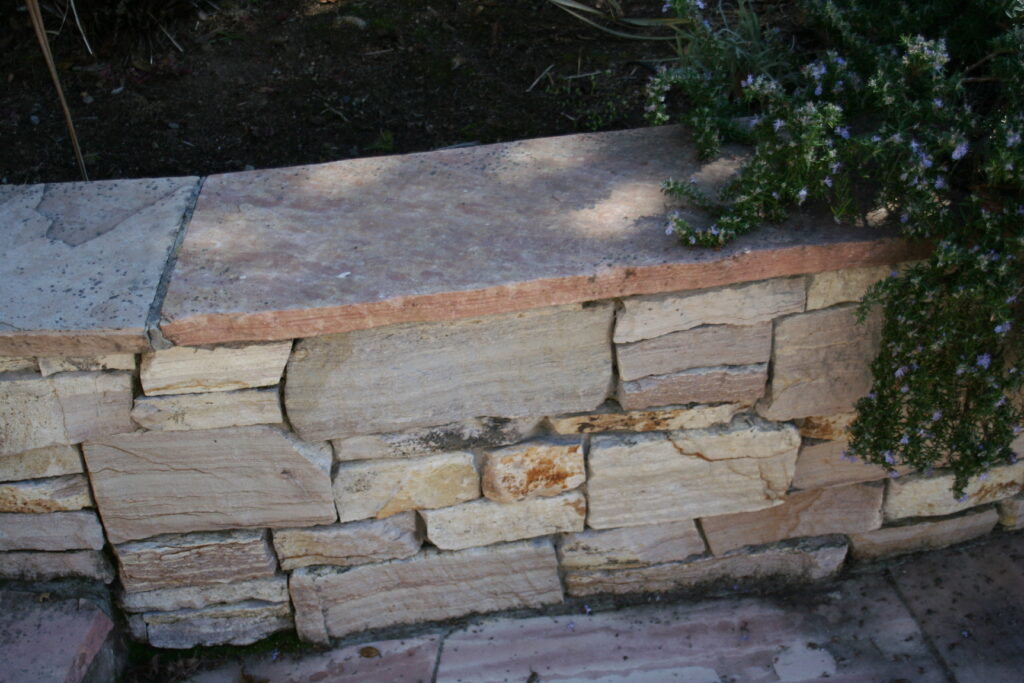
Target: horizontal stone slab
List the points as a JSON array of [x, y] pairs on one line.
[[827, 427], [47, 566], [18, 364], [115, 361], [628, 547], [151, 483], [186, 370], [434, 585], [79, 530], [208, 411], [50, 461], [481, 432], [821, 465], [927, 495], [239, 624], [700, 347], [922, 535], [723, 384], [657, 419], [542, 467], [346, 545], [274, 589], [842, 286], [83, 262], [55, 494]]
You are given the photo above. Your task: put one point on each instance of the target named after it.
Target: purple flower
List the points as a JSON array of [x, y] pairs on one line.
[[960, 151], [900, 371], [699, 3], [940, 183], [828, 181], [1012, 139], [748, 81], [889, 457], [667, 6], [963, 498], [779, 123], [984, 360], [905, 388], [1004, 328], [817, 91], [936, 416], [894, 474], [904, 440], [843, 132], [802, 195], [938, 103], [983, 476]]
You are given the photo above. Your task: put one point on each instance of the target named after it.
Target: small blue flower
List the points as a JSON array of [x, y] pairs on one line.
[[900, 371], [936, 416], [889, 457], [802, 195], [894, 474], [843, 132], [1003, 328], [984, 360], [778, 124], [964, 498], [960, 151], [940, 183], [817, 91], [828, 181], [938, 103], [904, 440], [904, 217]]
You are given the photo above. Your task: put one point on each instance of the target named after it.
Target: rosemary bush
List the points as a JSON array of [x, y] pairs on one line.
[[914, 108]]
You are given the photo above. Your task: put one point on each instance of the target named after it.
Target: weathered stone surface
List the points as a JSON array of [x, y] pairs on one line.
[[380, 488], [629, 547], [1011, 513], [186, 370], [483, 522], [172, 482], [372, 540], [189, 560], [700, 347], [821, 363], [801, 560], [433, 585], [82, 263], [842, 286], [659, 419], [79, 530], [482, 432], [653, 478], [239, 624], [544, 467], [826, 427], [70, 492], [845, 510], [114, 361], [46, 566], [748, 304], [929, 535], [63, 409], [741, 383], [18, 364], [821, 465], [418, 375], [924, 495], [209, 411], [273, 589], [51, 461]]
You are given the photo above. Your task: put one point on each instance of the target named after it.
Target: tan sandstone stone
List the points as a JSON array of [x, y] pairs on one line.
[[842, 286], [929, 495], [821, 465], [845, 510], [433, 585], [54, 494], [172, 482], [827, 427], [930, 535], [18, 364], [629, 547], [658, 419], [544, 467], [188, 560], [189, 370], [209, 411], [399, 377], [647, 317], [114, 361], [372, 540], [700, 347], [794, 561], [640, 479], [484, 522], [51, 461], [723, 384], [46, 566], [820, 363], [273, 589], [380, 488], [78, 530], [240, 624], [480, 432]]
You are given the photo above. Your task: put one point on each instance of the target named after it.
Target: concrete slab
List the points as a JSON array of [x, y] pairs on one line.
[[857, 632], [82, 263], [969, 601]]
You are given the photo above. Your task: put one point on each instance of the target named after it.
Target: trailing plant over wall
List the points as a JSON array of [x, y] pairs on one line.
[[914, 108]]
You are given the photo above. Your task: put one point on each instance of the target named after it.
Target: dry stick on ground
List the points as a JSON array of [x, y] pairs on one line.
[[37, 23]]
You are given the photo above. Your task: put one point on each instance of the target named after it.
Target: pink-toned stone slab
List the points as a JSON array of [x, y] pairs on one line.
[[304, 251], [82, 263]]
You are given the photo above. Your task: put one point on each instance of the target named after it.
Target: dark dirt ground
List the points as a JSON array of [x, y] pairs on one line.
[[266, 83]]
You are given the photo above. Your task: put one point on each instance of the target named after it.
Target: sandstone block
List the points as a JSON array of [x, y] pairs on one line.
[[1011, 513], [434, 585], [826, 427], [821, 363], [929, 535], [481, 432], [421, 374], [657, 419], [842, 286], [483, 522], [18, 364], [114, 361], [274, 589], [810, 559], [629, 547], [209, 411], [51, 461], [190, 560], [641, 479], [372, 540], [380, 488], [845, 510], [724, 384], [47, 566], [240, 624], [544, 467], [190, 370], [924, 495], [172, 482], [821, 465], [55, 494], [700, 347], [64, 409], [79, 530], [646, 317]]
